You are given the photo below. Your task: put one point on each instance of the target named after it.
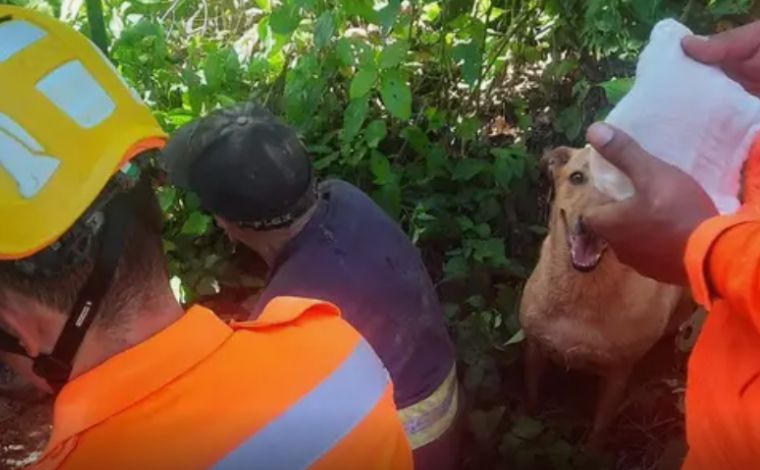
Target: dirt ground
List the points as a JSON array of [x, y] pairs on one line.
[[25, 419]]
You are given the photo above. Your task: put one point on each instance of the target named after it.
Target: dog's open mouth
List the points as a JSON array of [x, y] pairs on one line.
[[586, 248]]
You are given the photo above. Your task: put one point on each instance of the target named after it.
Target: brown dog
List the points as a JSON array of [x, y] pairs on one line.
[[581, 307]]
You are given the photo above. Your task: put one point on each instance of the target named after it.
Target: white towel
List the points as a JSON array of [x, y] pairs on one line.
[[690, 115]]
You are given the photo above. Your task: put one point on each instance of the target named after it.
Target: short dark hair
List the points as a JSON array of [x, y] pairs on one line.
[[141, 266]]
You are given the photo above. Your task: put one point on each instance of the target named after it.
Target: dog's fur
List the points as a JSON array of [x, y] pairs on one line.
[[603, 320]]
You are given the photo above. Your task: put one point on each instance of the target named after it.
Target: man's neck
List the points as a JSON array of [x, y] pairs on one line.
[[101, 344]]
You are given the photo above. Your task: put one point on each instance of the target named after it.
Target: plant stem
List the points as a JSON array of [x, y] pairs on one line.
[[97, 25]]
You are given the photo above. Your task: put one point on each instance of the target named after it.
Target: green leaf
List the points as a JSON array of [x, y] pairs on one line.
[[196, 225], [354, 117], [167, 197], [417, 139], [325, 162], [285, 19], [468, 129], [720, 8], [387, 16], [375, 133], [396, 95], [431, 12], [361, 8], [436, 118], [518, 337], [362, 82], [470, 58], [192, 202], [393, 54], [502, 172], [380, 167], [645, 10], [218, 66], [324, 30], [617, 88], [509, 164], [483, 230], [489, 251], [468, 168], [570, 122], [436, 161], [562, 68], [456, 267], [389, 198]]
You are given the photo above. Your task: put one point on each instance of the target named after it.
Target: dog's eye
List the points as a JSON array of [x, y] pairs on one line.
[[577, 177]]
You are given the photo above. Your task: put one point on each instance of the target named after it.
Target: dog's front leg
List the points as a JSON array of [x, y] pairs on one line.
[[613, 384]]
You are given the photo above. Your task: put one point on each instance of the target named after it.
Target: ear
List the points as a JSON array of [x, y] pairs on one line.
[[25, 326], [555, 159], [231, 229]]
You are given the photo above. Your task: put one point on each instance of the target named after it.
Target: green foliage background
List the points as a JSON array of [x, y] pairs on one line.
[[438, 109]]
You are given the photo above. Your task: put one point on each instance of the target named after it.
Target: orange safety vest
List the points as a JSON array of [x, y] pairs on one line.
[[298, 388], [723, 382]]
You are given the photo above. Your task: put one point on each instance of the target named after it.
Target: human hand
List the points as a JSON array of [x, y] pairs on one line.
[[650, 230], [736, 51]]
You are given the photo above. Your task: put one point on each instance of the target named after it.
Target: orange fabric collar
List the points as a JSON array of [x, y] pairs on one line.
[[135, 373]]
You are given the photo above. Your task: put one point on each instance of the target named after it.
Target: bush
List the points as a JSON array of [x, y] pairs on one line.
[[438, 109]]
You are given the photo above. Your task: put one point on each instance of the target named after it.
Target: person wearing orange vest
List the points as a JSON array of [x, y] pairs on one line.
[[87, 312], [330, 240], [670, 230]]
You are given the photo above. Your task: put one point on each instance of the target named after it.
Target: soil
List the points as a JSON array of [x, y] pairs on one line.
[[25, 419]]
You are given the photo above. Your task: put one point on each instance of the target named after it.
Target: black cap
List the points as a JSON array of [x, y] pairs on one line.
[[245, 165]]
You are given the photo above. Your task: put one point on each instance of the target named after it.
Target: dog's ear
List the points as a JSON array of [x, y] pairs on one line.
[[555, 159]]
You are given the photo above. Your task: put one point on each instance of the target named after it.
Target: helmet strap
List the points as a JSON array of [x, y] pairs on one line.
[[56, 367]]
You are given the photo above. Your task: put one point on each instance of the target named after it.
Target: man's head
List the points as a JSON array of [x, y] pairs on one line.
[[78, 228], [37, 294], [248, 169]]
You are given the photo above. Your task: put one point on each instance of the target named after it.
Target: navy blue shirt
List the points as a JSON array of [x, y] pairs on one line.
[[353, 255]]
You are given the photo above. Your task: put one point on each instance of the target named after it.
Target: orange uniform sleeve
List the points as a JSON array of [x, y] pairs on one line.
[[723, 261], [723, 254]]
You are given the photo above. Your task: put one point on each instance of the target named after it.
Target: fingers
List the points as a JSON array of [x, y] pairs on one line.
[[746, 72], [734, 45], [621, 150]]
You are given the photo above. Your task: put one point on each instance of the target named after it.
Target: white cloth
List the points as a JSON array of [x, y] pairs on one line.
[[690, 115]]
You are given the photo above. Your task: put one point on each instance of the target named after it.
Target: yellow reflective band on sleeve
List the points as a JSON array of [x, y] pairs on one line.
[[429, 419]]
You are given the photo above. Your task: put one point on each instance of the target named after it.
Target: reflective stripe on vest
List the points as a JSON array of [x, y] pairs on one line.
[[315, 424], [429, 419]]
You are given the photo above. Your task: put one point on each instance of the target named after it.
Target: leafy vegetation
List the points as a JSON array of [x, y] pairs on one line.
[[438, 109]]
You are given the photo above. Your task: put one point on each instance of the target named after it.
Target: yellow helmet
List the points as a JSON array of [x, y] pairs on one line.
[[68, 122]]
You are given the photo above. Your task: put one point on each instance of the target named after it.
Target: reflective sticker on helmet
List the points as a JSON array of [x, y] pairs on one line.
[[76, 92], [31, 171], [13, 128], [15, 36]]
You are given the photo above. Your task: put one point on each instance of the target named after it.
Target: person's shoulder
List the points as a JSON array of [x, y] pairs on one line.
[[340, 187], [345, 194]]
